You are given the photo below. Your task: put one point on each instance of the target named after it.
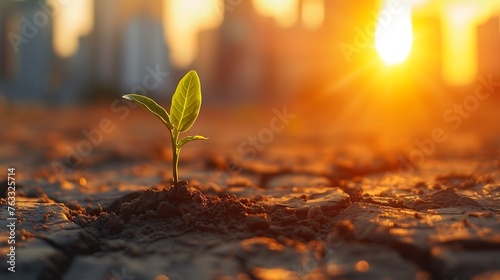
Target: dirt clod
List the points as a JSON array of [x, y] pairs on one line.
[[449, 198], [257, 221]]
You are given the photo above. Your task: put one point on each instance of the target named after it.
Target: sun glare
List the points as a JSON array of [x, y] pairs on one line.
[[73, 21], [184, 20], [182, 34], [460, 29], [394, 35], [285, 12], [313, 13]]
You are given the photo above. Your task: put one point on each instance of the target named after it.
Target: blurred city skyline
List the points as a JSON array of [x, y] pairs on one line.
[[64, 52]]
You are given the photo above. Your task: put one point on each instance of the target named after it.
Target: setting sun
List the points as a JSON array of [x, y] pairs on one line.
[[394, 35]]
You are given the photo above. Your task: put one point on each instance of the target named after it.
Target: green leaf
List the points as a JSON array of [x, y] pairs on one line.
[[153, 107], [189, 139], [186, 102]]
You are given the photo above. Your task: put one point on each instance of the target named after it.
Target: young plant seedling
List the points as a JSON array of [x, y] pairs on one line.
[[184, 110]]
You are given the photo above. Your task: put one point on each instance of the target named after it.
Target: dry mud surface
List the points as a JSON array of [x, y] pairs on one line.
[[297, 209]]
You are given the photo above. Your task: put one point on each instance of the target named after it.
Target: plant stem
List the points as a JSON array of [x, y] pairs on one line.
[[175, 160]]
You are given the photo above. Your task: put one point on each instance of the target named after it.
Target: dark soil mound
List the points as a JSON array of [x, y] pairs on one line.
[[179, 209]]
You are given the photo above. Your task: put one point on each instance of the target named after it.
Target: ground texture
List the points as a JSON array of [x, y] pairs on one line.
[[285, 207]]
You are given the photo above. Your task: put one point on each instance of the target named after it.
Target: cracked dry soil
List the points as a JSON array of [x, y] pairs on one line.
[[295, 212]]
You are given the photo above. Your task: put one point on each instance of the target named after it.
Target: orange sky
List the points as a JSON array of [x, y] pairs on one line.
[[461, 18]]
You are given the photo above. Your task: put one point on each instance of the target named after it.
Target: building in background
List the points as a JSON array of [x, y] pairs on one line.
[[489, 48], [249, 58], [125, 45], [27, 53]]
